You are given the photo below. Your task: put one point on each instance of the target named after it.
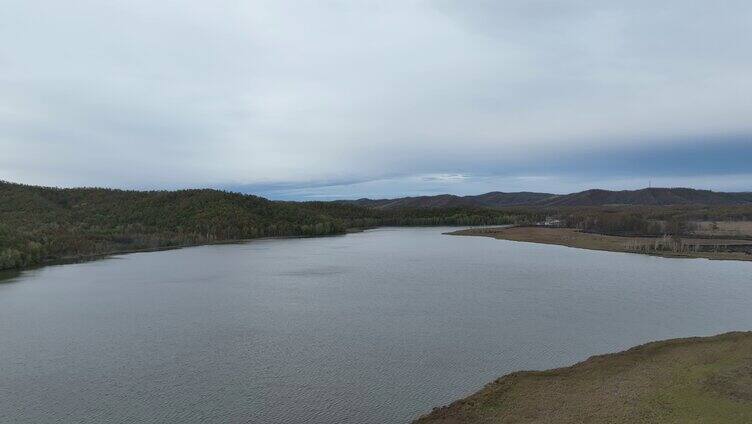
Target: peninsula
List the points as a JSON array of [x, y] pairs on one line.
[[692, 380], [722, 248]]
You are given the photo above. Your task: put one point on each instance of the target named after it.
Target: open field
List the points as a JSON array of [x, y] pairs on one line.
[[687, 247], [693, 380]]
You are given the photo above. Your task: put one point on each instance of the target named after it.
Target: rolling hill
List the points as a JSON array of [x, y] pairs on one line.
[[45, 224], [595, 197], [494, 199]]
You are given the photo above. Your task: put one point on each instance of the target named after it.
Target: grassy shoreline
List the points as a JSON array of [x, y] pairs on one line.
[[573, 238], [689, 380]]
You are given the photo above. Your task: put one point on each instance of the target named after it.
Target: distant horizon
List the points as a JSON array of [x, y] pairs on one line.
[[722, 166], [355, 197]]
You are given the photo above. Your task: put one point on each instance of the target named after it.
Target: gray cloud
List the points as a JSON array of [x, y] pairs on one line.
[[300, 94]]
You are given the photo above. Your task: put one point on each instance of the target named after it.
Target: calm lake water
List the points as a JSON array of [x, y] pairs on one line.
[[375, 327]]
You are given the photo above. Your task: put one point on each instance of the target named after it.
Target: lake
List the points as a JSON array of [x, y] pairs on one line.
[[373, 327]]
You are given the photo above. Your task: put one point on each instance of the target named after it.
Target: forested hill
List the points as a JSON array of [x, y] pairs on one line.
[[644, 197], [41, 224]]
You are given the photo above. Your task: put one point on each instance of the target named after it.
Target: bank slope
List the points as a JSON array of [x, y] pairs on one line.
[[692, 380]]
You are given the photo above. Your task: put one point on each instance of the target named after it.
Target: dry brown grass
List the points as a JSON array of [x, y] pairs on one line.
[[575, 238]]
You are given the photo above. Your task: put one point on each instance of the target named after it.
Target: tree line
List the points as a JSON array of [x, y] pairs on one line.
[[42, 224]]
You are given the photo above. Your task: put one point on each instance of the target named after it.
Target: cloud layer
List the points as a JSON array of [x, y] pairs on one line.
[[278, 96]]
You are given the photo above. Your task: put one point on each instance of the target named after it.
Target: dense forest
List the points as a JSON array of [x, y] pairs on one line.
[[648, 220], [42, 224]]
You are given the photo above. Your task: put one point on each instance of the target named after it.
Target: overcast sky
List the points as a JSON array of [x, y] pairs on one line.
[[326, 99]]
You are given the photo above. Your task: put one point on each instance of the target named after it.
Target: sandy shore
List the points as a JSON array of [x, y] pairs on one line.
[[693, 247]]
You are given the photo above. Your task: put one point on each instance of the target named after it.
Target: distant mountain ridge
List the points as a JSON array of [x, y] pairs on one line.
[[594, 197], [492, 199]]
